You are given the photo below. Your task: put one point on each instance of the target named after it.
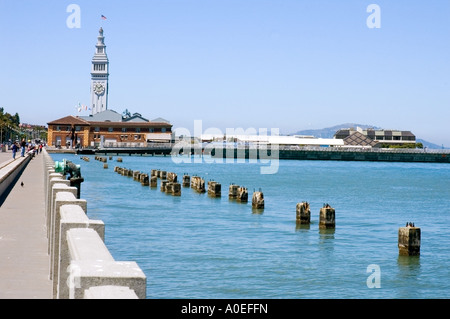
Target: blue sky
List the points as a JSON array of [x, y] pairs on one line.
[[286, 64]]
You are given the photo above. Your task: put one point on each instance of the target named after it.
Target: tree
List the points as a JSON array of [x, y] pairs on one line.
[[16, 119]]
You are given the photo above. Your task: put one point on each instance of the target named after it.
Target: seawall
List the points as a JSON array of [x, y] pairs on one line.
[[367, 155], [291, 153], [81, 266]]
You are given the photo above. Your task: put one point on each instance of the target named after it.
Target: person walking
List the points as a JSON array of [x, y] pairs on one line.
[[15, 148], [22, 145]]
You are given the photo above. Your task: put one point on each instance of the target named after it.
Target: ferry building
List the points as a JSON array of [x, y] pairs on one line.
[[105, 127]]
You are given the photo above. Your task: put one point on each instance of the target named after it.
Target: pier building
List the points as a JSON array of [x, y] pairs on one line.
[[105, 127], [77, 131], [376, 137]]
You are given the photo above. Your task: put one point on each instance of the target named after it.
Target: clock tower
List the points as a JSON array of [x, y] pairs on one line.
[[99, 76]]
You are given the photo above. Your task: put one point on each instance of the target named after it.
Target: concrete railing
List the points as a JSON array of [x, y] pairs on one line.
[[81, 265]]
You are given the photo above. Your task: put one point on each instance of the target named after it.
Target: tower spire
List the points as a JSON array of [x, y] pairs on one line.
[[99, 76]]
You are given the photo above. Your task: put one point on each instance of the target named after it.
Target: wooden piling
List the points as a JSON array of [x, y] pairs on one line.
[[176, 189], [172, 177], [303, 213], [242, 195], [198, 184], [163, 185], [186, 180], [154, 181], [214, 189], [409, 241], [327, 217], [144, 179], [169, 187], [233, 191], [258, 200]]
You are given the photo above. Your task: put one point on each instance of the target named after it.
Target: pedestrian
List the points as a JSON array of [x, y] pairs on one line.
[[22, 145], [15, 148]]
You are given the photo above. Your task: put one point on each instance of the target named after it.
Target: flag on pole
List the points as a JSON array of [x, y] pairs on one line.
[[103, 17]]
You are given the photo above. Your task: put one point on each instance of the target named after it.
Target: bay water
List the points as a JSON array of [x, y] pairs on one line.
[[196, 246]]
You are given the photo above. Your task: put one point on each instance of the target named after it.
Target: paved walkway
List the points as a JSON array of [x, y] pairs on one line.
[[24, 261]]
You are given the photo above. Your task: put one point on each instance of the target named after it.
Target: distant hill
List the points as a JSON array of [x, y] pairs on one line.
[[429, 144], [329, 132]]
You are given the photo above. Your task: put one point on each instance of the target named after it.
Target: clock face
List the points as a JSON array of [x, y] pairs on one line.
[[99, 88]]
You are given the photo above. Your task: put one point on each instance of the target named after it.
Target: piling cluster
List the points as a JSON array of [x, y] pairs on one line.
[[238, 193], [326, 215], [408, 236], [102, 159], [198, 184], [169, 182]]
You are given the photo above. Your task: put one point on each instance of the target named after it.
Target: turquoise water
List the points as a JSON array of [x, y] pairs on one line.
[[195, 246]]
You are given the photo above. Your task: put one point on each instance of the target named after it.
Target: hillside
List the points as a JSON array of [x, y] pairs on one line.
[[329, 132]]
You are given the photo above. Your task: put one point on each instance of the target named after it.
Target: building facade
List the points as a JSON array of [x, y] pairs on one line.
[[105, 127], [381, 138], [73, 131]]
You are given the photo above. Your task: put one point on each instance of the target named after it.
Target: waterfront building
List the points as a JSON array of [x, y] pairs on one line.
[[105, 127], [74, 131], [379, 137]]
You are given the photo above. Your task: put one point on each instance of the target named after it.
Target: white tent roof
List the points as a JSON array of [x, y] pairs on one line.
[[280, 139]]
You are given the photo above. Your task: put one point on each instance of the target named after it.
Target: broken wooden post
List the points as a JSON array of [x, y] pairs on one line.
[[327, 217], [154, 181], [409, 240], [214, 189], [186, 180], [303, 213], [258, 200], [176, 189], [242, 195], [233, 191]]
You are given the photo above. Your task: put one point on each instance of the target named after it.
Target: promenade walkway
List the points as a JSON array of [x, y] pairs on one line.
[[24, 261]]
